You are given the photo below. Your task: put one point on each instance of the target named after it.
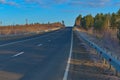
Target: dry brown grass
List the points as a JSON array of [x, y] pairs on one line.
[[9, 76], [106, 39], [17, 29]]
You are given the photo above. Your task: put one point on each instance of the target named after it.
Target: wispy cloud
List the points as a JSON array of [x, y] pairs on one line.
[[47, 2], [42, 3], [74, 11], [12, 3], [84, 3], [90, 3], [60, 1], [117, 3], [73, 3]]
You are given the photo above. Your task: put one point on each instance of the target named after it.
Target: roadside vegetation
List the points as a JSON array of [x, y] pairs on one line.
[[102, 29], [103, 26], [28, 28]]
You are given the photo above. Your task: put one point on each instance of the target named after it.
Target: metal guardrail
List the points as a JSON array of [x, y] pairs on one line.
[[106, 55]]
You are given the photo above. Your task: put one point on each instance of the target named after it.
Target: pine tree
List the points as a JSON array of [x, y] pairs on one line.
[[78, 20], [113, 21], [89, 21]]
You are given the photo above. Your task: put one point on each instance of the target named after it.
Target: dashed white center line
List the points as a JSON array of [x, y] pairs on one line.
[[49, 40], [18, 54], [39, 44]]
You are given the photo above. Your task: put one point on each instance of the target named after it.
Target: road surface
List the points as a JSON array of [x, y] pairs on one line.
[[57, 55], [42, 57]]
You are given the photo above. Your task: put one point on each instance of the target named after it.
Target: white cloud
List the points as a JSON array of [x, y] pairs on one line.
[[2, 1], [74, 3], [47, 2], [90, 3], [8, 3]]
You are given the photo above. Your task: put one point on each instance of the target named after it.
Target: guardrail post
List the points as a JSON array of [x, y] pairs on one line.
[[117, 57], [116, 72], [109, 66], [105, 62], [98, 55], [101, 58], [111, 60]]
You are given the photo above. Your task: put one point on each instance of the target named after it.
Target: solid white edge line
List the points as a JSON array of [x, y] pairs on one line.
[[17, 54], [68, 63]]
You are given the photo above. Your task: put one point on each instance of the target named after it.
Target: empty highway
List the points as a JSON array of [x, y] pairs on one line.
[[56, 55], [42, 57]]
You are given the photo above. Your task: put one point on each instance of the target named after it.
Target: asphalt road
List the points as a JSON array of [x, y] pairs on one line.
[[41, 57]]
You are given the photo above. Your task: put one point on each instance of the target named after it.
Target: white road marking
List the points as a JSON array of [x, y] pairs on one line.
[[39, 44], [17, 54], [49, 40], [68, 63]]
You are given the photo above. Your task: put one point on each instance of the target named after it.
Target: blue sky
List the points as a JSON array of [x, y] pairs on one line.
[[43, 11]]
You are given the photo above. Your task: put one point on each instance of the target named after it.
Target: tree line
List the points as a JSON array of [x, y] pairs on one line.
[[100, 22]]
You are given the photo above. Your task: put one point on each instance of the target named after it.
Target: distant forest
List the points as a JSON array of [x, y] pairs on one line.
[[100, 23]]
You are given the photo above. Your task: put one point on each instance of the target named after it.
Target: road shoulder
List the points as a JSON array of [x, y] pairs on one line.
[[86, 65]]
